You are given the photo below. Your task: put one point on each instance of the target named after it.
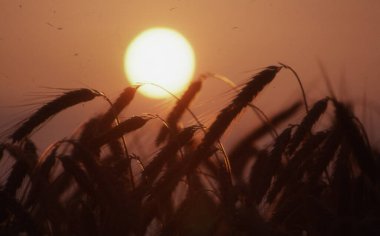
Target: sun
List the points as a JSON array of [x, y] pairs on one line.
[[159, 56]]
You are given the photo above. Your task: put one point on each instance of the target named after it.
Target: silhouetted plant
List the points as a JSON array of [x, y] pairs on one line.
[[309, 181]]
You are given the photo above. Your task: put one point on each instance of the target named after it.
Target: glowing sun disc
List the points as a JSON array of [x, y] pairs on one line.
[[161, 56]]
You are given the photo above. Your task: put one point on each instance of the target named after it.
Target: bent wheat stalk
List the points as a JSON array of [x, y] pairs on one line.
[[221, 148], [179, 109], [260, 114], [307, 123], [217, 129], [124, 127], [300, 84], [50, 109], [246, 95], [121, 102]]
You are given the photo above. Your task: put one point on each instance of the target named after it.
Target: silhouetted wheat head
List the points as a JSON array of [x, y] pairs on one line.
[[309, 181]]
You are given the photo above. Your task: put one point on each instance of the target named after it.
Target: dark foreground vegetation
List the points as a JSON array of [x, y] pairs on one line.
[[307, 182]]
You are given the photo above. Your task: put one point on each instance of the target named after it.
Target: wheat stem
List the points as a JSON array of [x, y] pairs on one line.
[[300, 84]]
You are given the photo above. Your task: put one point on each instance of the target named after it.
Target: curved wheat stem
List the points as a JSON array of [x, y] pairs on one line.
[[51, 108], [179, 109], [300, 84], [225, 156], [218, 128], [112, 114], [260, 113]]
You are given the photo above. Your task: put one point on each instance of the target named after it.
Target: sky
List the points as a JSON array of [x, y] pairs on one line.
[[72, 44]]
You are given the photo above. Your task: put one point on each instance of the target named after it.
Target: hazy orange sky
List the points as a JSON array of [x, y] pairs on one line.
[[71, 44]]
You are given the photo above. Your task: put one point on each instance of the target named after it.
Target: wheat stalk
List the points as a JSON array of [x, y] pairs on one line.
[[118, 131], [51, 108], [179, 109], [217, 128], [307, 123]]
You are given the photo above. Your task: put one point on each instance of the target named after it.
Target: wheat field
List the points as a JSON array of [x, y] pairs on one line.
[[308, 181]]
